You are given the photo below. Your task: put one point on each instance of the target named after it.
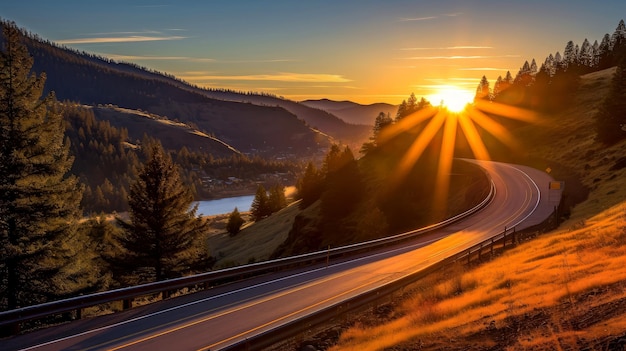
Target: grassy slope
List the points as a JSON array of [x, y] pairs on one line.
[[563, 290], [254, 242]]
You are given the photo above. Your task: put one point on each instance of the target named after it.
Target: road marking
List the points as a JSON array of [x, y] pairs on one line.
[[153, 314]]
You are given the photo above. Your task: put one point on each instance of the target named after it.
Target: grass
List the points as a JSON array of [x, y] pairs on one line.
[[255, 242], [563, 290]]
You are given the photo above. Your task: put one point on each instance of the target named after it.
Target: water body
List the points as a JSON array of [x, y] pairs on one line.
[[225, 205]]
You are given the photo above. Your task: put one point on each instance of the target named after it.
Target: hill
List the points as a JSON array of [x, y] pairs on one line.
[[173, 135], [340, 130], [562, 290], [278, 124], [264, 128], [352, 112]]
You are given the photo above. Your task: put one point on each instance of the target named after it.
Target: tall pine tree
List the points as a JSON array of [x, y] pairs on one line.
[[41, 255], [163, 237]]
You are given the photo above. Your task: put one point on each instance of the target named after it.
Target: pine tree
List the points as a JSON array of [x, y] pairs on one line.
[[233, 226], [497, 86], [309, 186], [41, 255], [343, 183], [382, 121], [277, 200], [482, 91], [569, 54], [260, 205], [164, 232]]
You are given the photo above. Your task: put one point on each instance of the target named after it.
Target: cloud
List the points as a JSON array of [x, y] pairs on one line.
[[417, 19], [469, 47], [121, 39], [456, 57], [279, 77], [156, 58], [257, 61], [428, 18], [454, 79]]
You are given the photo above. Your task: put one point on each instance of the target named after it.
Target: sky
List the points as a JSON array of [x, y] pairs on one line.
[[364, 51]]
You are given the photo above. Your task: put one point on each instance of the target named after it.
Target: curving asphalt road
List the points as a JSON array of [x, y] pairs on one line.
[[225, 315]]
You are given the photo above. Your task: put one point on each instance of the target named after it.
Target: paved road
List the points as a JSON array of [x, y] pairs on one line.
[[224, 315]]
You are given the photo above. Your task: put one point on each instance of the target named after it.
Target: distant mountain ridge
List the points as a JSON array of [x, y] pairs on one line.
[[251, 123], [352, 112]]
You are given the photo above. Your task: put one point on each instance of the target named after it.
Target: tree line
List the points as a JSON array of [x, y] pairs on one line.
[[550, 87]]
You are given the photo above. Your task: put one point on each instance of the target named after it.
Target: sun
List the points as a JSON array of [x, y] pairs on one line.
[[453, 98]]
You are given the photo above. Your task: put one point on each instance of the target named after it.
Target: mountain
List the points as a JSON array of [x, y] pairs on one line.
[[352, 112], [255, 124], [344, 131], [173, 135]]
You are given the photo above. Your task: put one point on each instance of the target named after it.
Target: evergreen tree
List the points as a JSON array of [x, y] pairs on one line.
[[233, 226], [497, 86], [343, 183], [164, 232], [260, 205], [482, 91], [309, 186], [41, 253], [569, 54], [611, 118], [411, 104], [277, 200], [401, 113], [382, 121]]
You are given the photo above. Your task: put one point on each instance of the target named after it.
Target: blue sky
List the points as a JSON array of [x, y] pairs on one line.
[[364, 51]]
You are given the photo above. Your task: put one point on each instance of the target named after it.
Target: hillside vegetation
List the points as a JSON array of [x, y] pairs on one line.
[[563, 290]]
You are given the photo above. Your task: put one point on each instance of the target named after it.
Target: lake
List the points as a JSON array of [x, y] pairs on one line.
[[225, 205]]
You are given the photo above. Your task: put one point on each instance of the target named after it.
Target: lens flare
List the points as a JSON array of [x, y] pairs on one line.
[[472, 120]]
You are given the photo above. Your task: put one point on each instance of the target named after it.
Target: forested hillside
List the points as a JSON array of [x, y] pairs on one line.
[[249, 122]]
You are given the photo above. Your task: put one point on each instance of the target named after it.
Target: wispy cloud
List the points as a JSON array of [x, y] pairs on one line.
[[457, 57], [258, 61], [118, 39], [428, 18], [444, 86], [417, 19], [279, 77], [452, 79], [468, 47]]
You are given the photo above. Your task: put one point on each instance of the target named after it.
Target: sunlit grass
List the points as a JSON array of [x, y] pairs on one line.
[[546, 272]]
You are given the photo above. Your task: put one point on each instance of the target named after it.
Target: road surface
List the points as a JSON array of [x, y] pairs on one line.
[[225, 315]]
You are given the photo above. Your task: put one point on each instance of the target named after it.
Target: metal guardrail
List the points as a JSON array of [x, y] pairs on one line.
[[289, 330], [20, 315]]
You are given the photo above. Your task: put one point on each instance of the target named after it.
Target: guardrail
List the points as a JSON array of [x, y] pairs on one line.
[[273, 336], [16, 317]]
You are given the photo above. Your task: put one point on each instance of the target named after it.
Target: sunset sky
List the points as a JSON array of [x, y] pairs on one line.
[[364, 51]]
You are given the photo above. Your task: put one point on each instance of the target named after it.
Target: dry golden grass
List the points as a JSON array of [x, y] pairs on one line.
[[563, 290], [569, 274]]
